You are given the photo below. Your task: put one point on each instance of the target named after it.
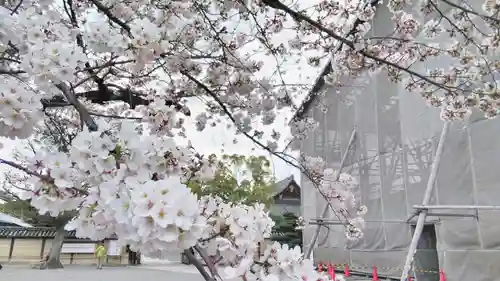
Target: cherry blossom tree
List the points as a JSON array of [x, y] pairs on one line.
[[22, 209], [123, 173], [121, 72], [55, 134]]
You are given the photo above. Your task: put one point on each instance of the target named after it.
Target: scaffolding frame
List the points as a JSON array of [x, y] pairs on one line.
[[408, 221], [421, 211], [346, 153], [422, 215]]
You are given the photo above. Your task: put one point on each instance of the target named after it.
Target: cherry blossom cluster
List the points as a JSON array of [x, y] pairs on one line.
[[279, 262], [130, 184], [162, 119], [115, 155], [301, 129], [340, 193], [49, 54], [155, 216], [19, 109], [339, 190], [301, 223], [131, 61], [455, 44], [233, 231], [239, 230]]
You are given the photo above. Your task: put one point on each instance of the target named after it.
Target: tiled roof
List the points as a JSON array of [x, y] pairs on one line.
[[4, 195], [282, 185], [12, 220], [35, 232]]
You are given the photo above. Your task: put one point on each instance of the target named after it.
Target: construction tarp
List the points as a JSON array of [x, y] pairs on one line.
[[397, 135]]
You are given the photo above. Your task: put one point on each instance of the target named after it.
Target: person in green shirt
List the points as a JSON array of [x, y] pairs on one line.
[[100, 253]]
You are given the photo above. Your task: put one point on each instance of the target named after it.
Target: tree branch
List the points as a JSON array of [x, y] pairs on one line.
[[208, 261], [255, 141], [99, 97], [198, 265], [276, 4], [231, 117], [11, 72], [105, 10], [82, 110], [19, 167]]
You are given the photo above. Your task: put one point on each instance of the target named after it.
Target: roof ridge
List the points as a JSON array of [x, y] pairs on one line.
[[320, 81]]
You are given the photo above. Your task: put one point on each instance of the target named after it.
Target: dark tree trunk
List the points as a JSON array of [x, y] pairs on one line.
[[55, 250]]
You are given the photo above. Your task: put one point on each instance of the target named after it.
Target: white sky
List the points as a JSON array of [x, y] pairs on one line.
[[219, 140]]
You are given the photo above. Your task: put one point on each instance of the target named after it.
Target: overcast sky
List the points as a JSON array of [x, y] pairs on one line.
[[220, 139]]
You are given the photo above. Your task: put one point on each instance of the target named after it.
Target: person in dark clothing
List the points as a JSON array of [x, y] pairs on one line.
[[133, 258]]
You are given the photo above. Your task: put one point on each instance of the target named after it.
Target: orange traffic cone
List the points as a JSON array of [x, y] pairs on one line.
[[441, 276], [346, 271], [375, 274]]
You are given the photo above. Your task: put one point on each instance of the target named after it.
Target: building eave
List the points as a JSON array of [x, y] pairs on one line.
[[320, 81], [6, 218], [318, 84], [283, 184]]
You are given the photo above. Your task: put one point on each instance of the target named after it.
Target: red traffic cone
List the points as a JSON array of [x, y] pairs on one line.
[[441, 276], [375, 274], [331, 271], [346, 270]]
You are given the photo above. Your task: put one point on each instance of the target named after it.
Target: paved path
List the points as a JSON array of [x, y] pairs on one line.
[[84, 273], [156, 271]]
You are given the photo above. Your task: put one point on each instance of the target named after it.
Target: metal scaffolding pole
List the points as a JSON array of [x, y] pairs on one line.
[[455, 207], [442, 215], [326, 222], [336, 222], [325, 210], [426, 200]]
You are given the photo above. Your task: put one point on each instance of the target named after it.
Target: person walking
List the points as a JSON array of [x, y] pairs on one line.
[[100, 253]]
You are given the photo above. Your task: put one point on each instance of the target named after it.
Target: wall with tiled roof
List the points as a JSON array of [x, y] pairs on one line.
[[35, 232]]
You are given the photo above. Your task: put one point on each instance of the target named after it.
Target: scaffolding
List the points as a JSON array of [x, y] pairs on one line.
[[422, 211], [346, 153]]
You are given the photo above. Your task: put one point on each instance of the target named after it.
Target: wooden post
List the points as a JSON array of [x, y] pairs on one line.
[[44, 240], [11, 249]]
